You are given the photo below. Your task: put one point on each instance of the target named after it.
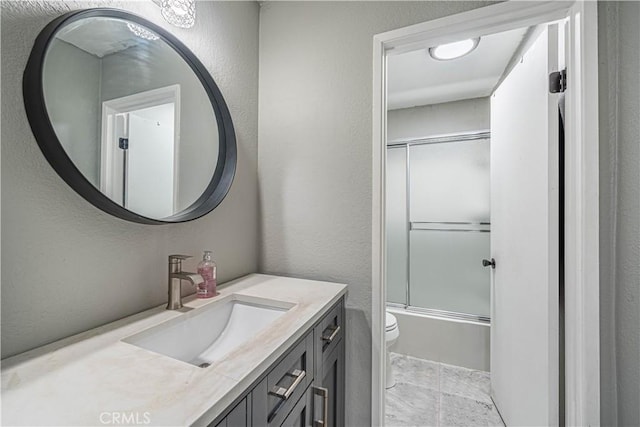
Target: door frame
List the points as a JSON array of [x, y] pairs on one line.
[[127, 104], [582, 336]]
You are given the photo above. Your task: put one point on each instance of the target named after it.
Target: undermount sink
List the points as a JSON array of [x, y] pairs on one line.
[[205, 335]]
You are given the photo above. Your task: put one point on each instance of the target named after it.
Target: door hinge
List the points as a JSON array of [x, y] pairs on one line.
[[558, 81], [123, 143]]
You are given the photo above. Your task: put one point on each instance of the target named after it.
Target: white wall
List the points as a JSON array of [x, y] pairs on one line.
[[619, 49], [67, 266], [315, 152], [469, 115]]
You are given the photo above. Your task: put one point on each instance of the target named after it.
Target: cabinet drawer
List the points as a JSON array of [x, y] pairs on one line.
[[329, 331], [274, 397]]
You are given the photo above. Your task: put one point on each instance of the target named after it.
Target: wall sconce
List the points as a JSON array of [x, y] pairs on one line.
[[181, 13]]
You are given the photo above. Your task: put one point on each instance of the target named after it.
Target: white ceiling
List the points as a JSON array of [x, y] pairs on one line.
[[89, 35], [414, 78]]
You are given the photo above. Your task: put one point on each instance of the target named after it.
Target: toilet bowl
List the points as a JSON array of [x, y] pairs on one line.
[[390, 336]]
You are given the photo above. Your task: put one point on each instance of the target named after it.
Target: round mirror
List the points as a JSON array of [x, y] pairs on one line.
[[129, 117]]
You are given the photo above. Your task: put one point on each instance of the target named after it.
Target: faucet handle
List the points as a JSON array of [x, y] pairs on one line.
[[177, 259]]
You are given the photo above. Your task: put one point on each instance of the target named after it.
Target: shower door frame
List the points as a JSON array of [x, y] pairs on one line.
[[582, 336], [480, 226]]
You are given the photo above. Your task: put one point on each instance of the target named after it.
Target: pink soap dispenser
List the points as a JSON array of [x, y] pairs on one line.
[[207, 269]]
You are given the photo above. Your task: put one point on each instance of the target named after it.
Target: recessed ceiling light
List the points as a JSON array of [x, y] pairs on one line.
[[445, 52]]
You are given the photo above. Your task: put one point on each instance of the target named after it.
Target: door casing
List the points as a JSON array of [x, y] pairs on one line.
[[127, 104], [582, 337]]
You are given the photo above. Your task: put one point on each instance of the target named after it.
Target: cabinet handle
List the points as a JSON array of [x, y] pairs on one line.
[[324, 393], [284, 393], [329, 338]]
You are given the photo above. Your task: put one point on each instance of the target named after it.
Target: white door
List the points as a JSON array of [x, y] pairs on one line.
[[524, 239], [150, 163]]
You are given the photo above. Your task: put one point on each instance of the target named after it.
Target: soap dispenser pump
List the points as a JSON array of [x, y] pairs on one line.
[[207, 269]]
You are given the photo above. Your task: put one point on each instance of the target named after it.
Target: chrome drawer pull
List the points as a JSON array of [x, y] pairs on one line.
[[284, 393], [331, 337], [324, 393]]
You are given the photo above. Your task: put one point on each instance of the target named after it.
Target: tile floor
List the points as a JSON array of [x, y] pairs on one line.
[[435, 394]]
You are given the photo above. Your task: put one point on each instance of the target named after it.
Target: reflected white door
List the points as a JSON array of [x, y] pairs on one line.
[[524, 239], [150, 162]]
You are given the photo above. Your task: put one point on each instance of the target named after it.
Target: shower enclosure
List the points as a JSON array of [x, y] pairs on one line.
[[438, 226]]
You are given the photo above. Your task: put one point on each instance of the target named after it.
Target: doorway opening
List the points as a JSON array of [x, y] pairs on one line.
[[467, 220], [140, 143]]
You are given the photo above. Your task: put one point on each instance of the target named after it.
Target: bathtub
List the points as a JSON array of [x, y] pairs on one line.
[[441, 339]]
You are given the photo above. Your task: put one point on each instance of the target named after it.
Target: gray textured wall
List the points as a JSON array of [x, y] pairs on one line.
[[68, 267], [72, 96], [315, 152], [618, 49]]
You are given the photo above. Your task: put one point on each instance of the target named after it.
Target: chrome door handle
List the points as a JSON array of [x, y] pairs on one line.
[[487, 263], [284, 393], [329, 338], [324, 393]]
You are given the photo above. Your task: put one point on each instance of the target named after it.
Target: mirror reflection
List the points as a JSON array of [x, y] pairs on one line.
[[131, 114]]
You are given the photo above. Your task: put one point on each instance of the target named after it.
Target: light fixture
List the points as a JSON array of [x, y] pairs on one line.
[[143, 33], [445, 52], [181, 13]]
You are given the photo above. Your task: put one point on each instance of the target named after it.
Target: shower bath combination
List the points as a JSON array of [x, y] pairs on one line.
[[438, 232], [438, 226]]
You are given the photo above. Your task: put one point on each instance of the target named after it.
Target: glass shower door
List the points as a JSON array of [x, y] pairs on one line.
[[397, 225], [449, 195]]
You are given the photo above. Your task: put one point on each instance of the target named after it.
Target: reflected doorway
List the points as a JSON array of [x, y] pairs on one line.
[[140, 136]]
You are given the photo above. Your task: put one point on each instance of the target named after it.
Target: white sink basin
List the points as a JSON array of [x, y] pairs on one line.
[[205, 335]]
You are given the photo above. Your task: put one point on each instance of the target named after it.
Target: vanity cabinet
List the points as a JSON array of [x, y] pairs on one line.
[[305, 387], [275, 396]]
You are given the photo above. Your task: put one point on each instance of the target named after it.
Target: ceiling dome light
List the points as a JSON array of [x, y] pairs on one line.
[[445, 52], [181, 13]]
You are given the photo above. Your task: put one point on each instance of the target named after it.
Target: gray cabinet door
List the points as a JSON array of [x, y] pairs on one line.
[[240, 416], [329, 386], [302, 413]]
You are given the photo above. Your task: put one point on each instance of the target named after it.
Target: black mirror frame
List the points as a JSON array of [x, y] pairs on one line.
[[33, 93]]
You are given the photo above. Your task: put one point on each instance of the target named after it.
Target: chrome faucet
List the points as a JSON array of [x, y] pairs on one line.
[[176, 276]]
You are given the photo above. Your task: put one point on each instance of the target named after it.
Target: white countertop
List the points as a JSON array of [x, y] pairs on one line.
[[94, 378]]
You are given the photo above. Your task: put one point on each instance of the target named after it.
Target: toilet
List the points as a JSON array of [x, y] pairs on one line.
[[390, 336]]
